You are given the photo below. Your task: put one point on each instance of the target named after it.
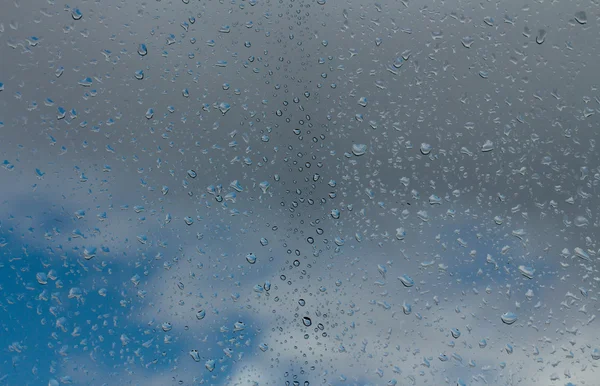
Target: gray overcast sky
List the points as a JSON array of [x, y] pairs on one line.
[[321, 192]]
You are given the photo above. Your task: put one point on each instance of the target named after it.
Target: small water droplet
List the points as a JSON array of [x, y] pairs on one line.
[[306, 321]]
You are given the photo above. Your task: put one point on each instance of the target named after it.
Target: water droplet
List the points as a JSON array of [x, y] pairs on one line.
[[76, 14], [406, 308], [166, 326], [582, 254], [581, 17], [526, 271], [264, 186], [425, 148], [85, 82], [306, 321], [541, 36], [195, 355], [400, 233], [508, 318], [467, 41], [455, 333], [224, 107], [210, 365], [406, 280], [581, 221], [139, 74], [251, 258], [362, 101], [41, 278], [359, 149], [142, 49], [487, 146], [200, 314], [435, 200], [596, 354], [149, 113]]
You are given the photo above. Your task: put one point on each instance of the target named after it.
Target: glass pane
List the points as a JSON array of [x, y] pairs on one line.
[[299, 192]]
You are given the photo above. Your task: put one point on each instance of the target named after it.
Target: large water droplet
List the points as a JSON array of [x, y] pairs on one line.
[[195, 355], [142, 49], [406, 280], [467, 41], [487, 146], [359, 149], [541, 36], [425, 148], [581, 17], [251, 258], [224, 107], [210, 365], [526, 271], [508, 318], [76, 14]]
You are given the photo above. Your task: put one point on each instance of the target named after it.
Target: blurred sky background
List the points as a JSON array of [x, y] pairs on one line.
[[403, 173]]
